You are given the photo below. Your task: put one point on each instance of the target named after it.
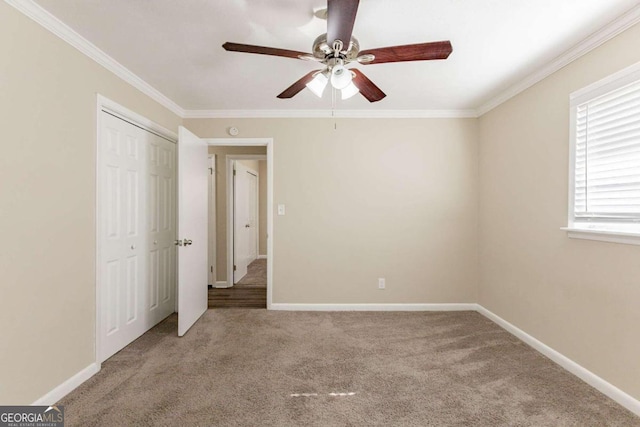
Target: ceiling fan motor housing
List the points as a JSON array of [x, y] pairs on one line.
[[322, 50]]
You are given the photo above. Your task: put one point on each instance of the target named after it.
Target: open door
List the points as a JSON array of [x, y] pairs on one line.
[[193, 199], [252, 248], [241, 223]]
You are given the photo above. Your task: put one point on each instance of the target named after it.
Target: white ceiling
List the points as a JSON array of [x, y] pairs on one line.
[[175, 46]]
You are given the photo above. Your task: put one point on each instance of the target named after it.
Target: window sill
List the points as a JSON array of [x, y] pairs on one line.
[[611, 236]]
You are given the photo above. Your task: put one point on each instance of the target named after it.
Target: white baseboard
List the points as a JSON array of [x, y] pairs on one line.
[[373, 307], [584, 374], [221, 284], [68, 386], [262, 257]]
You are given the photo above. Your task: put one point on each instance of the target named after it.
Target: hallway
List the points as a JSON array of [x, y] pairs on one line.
[[250, 292]]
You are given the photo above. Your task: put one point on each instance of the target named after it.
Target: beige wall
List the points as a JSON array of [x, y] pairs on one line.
[[221, 199], [579, 297], [47, 204], [250, 164], [262, 240], [374, 198]]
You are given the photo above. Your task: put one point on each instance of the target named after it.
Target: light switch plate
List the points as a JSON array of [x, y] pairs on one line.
[[281, 210]]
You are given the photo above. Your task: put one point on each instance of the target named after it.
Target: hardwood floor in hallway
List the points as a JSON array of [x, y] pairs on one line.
[[250, 292]]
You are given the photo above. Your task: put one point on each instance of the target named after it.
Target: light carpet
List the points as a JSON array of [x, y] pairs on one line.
[[265, 368]]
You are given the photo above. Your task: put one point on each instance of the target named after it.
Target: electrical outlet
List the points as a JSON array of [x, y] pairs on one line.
[[381, 283]]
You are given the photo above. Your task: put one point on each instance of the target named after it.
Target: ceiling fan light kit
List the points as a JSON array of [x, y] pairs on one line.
[[340, 77], [349, 91], [329, 50], [318, 84]]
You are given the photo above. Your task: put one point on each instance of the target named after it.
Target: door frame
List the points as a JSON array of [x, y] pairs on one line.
[[250, 142], [230, 160], [213, 218], [105, 104]]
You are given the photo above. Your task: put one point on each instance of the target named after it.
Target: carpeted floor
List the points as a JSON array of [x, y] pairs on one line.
[[264, 368]]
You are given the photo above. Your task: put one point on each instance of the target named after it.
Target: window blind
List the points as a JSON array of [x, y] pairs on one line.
[[607, 164]]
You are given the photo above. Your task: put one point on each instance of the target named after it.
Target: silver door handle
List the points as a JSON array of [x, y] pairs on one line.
[[188, 242], [247, 226], [178, 242]]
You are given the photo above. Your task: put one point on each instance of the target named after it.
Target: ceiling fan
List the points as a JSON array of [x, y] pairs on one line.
[[338, 48]]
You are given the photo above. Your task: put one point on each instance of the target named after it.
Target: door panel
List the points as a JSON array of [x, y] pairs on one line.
[[193, 170], [112, 286], [161, 235], [252, 247], [240, 222], [132, 286], [212, 220], [123, 246], [154, 267]]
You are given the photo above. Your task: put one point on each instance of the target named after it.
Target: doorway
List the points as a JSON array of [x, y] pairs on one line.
[[212, 249], [244, 237], [245, 212]]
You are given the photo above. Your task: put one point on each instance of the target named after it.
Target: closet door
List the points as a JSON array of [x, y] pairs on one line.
[[122, 269], [161, 226], [136, 232]]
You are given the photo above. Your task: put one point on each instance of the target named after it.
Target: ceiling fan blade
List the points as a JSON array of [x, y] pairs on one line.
[[367, 88], [261, 50], [341, 15], [410, 52], [295, 88]]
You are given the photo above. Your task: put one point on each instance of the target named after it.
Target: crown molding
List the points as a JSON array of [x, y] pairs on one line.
[[34, 11], [606, 33], [320, 114], [60, 29], [41, 16]]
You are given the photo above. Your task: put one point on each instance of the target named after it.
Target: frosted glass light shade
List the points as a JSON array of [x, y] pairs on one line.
[[318, 84], [340, 77], [349, 91]]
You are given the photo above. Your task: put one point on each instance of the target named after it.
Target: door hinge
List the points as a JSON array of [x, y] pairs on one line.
[[210, 171], [234, 172], [234, 268], [212, 268]]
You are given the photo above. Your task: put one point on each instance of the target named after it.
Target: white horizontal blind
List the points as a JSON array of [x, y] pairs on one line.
[[607, 168]]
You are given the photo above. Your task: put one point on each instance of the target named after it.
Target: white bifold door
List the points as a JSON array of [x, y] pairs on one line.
[[136, 232]]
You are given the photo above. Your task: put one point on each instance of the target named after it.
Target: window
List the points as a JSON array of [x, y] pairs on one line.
[[605, 157]]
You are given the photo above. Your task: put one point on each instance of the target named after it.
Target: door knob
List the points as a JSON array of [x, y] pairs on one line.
[[247, 226], [178, 242], [188, 242]]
